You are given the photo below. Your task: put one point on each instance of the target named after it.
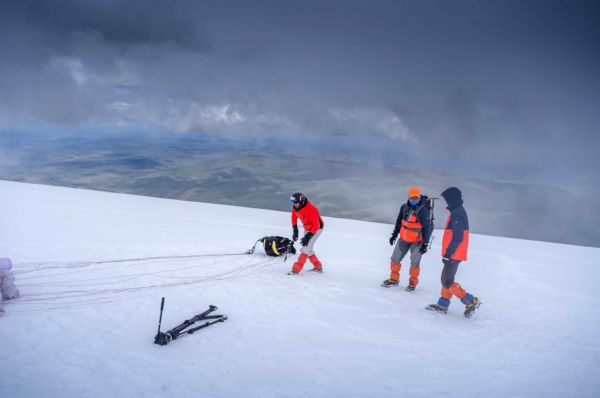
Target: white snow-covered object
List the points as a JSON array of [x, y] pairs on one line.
[[7, 282]]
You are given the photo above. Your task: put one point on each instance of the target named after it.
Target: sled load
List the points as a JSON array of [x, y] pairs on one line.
[[275, 246]]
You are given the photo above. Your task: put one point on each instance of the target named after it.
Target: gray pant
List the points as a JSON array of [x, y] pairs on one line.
[[449, 272], [308, 249], [403, 247]]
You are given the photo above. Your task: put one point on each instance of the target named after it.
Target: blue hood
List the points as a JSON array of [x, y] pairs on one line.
[[453, 197]]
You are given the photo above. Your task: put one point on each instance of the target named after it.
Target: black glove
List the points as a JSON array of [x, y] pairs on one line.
[[446, 257], [295, 233], [306, 238], [393, 238], [424, 248]]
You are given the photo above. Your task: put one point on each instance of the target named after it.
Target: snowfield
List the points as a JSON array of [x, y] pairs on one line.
[[84, 325]]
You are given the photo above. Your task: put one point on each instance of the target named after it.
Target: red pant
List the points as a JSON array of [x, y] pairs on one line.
[[299, 264]]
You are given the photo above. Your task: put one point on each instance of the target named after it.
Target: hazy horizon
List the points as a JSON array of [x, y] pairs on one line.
[[209, 168]]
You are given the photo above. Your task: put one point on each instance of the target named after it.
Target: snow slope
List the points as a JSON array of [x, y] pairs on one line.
[[86, 329]]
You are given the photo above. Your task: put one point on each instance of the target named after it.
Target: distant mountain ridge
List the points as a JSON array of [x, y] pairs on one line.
[[248, 173]]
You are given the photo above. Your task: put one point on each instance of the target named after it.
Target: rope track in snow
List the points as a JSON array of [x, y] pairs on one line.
[[40, 266], [107, 279], [80, 298], [88, 292], [186, 280]]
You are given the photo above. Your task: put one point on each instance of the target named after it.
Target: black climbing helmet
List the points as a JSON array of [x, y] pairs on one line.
[[298, 198]]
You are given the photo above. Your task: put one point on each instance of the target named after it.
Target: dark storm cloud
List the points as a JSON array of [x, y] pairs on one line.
[[484, 84]]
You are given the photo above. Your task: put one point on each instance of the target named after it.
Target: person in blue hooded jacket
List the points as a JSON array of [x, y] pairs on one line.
[[455, 244]]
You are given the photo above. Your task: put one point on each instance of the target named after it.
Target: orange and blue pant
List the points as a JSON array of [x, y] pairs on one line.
[[450, 287]]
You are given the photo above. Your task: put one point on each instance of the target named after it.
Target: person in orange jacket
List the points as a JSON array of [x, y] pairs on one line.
[[455, 244], [313, 226], [413, 228]]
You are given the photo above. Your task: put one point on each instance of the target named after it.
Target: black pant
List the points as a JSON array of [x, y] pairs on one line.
[[448, 273]]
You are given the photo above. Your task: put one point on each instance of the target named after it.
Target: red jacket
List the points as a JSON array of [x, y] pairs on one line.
[[309, 215], [458, 237], [455, 243]]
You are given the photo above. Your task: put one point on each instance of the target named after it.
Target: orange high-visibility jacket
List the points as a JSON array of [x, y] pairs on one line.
[[411, 230], [413, 223]]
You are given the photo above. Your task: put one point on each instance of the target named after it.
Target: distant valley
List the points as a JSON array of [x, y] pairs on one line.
[[209, 168]]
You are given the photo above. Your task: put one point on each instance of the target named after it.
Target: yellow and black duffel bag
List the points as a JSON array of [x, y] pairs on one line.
[[276, 246]]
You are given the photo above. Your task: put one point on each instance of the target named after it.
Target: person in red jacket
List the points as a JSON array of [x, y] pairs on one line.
[[455, 244], [313, 226]]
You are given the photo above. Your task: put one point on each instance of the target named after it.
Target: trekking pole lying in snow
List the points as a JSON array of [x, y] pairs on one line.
[[178, 331]]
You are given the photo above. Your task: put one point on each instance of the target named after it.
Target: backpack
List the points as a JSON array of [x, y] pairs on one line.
[[428, 202], [276, 246]]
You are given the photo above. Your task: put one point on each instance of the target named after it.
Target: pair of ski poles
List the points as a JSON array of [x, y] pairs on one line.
[[164, 338]]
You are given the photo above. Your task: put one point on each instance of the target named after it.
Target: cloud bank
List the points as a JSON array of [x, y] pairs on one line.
[[508, 87]]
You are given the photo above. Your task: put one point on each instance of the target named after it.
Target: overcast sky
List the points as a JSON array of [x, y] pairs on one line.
[[495, 85]]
